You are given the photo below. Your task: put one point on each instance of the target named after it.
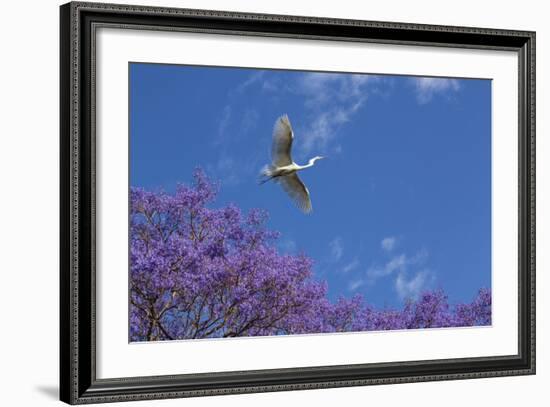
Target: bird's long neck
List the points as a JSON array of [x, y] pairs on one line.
[[311, 163]]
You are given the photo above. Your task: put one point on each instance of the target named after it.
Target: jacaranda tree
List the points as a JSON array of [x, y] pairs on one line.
[[202, 272]]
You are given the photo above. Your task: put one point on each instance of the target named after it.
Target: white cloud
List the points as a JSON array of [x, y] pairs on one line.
[[336, 249], [400, 266], [427, 88], [249, 120], [270, 85], [355, 284], [419, 257], [398, 263], [322, 89], [254, 78], [411, 288], [324, 128], [316, 87], [332, 100], [388, 243], [223, 124], [351, 266]]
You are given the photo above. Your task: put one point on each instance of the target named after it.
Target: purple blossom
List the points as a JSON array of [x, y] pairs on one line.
[[198, 272]]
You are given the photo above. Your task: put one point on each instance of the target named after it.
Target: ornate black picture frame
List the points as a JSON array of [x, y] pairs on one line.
[[78, 381]]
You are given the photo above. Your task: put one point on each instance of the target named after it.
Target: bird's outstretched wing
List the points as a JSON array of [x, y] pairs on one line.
[[282, 142], [296, 189]]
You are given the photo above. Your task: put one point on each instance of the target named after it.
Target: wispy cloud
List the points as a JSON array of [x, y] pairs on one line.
[[427, 88], [223, 124], [397, 263], [271, 83], [254, 78], [332, 100], [411, 288], [354, 264], [353, 285], [324, 128], [408, 283], [336, 247], [388, 243], [249, 120], [317, 87], [234, 123]]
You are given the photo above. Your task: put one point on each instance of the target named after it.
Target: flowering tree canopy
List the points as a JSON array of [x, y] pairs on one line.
[[200, 272]]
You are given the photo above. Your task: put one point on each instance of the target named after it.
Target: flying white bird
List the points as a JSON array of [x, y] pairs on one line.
[[283, 170]]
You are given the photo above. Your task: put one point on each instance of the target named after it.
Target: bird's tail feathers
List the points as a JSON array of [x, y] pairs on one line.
[[268, 170], [267, 173]]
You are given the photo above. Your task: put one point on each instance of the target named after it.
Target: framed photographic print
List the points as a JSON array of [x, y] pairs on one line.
[[255, 203]]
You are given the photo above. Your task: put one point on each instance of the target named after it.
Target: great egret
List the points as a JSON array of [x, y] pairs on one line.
[[282, 169]]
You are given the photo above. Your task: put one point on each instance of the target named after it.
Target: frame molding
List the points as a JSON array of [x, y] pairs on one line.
[[78, 382]]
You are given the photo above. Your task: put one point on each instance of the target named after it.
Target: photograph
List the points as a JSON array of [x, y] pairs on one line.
[[264, 201], [270, 202]]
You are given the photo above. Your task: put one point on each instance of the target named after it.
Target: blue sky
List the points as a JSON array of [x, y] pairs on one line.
[[403, 201]]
